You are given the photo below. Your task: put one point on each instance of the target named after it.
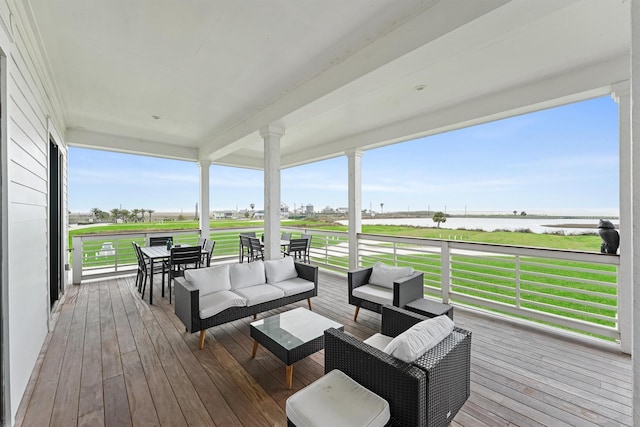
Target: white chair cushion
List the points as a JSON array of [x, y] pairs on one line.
[[294, 286], [378, 341], [278, 270], [373, 293], [247, 274], [420, 338], [216, 302], [209, 279], [260, 293], [385, 275], [336, 400]]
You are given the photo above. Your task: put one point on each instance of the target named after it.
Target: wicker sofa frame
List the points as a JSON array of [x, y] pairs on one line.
[[187, 303], [427, 392], [405, 290]]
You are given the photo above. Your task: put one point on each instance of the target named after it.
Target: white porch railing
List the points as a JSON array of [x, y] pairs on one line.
[[572, 290]]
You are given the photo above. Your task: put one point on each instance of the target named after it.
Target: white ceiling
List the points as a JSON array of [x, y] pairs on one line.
[[334, 74]]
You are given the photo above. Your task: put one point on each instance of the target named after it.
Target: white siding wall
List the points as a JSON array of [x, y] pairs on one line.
[[31, 116]]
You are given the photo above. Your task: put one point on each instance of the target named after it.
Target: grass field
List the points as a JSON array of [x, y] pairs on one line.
[[577, 290]]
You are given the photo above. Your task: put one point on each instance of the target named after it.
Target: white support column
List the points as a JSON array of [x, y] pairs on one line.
[[635, 202], [622, 95], [271, 135], [355, 205], [205, 228]]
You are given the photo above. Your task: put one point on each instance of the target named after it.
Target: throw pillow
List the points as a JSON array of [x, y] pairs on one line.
[[247, 274], [209, 279], [420, 338], [385, 275], [278, 270]]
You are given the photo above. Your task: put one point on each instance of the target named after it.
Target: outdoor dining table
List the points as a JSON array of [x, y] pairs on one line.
[[155, 254]]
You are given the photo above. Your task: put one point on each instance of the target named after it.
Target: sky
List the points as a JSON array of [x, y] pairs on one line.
[[563, 160]]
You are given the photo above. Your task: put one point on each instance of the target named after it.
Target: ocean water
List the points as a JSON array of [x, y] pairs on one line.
[[536, 225]]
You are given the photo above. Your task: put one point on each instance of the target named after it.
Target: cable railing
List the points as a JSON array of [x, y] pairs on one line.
[[573, 290]]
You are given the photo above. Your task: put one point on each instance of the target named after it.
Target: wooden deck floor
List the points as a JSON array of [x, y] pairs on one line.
[[114, 360]]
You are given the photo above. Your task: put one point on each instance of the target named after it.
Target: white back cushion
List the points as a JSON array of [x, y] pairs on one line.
[[278, 270], [209, 279], [249, 274], [385, 275], [420, 338]]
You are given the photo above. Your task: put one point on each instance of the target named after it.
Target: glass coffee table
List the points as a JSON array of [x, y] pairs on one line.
[[291, 336]]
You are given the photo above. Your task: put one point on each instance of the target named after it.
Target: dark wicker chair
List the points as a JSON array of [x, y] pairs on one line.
[[427, 392], [405, 290]]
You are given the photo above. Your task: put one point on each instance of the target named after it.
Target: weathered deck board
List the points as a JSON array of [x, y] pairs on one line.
[[114, 360]]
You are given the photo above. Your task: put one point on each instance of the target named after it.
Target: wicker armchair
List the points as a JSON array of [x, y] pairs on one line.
[[404, 291], [427, 392]]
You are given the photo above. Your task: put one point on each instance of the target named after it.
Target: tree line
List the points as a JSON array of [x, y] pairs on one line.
[[115, 214]]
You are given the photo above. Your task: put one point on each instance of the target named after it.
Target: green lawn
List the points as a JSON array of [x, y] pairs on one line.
[[544, 285]]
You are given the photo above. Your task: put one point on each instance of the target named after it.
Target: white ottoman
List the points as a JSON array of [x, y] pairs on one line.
[[338, 401]]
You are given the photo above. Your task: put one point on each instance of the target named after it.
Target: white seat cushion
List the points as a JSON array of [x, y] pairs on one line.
[[378, 341], [260, 293], [278, 270], [374, 293], [216, 302], [247, 274], [420, 338], [294, 286], [336, 400], [385, 275], [209, 279]]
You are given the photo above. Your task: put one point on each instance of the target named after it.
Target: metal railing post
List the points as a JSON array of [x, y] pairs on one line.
[[517, 281], [76, 246], [445, 271]]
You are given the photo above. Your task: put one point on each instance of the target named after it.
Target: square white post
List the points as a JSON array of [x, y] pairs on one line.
[[355, 205], [205, 228], [271, 135]]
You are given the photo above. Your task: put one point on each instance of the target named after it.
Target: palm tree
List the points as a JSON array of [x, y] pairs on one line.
[[381, 207], [439, 217], [150, 211], [97, 213], [115, 213], [134, 213]]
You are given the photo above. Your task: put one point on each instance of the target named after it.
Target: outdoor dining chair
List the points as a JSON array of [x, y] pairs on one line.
[[144, 267], [181, 259], [256, 248], [159, 241], [245, 248], [308, 251], [207, 252], [297, 249]]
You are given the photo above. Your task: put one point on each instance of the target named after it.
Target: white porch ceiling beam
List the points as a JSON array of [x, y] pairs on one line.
[[578, 85], [430, 22], [102, 141]]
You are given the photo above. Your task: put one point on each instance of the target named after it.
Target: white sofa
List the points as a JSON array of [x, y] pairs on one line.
[[207, 297]]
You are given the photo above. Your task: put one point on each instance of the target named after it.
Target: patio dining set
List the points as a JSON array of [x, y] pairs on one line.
[[163, 257]]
